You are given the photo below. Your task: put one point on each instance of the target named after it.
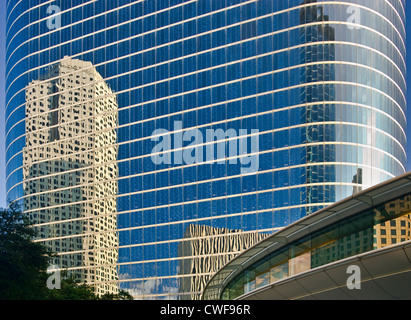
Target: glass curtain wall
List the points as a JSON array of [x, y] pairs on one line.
[[235, 116], [373, 229]]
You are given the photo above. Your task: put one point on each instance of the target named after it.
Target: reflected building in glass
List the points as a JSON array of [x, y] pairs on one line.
[[206, 251], [70, 171], [394, 231], [319, 98], [313, 90]]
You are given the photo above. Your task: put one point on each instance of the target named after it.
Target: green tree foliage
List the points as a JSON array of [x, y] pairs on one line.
[[71, 290], [22, 261], [122, 295], [23, 265]]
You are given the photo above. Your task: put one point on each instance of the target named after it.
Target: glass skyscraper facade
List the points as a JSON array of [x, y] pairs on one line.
[[149, 139]]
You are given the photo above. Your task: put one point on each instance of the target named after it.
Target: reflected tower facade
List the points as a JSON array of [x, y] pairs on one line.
[[322, 84], [70, 173]]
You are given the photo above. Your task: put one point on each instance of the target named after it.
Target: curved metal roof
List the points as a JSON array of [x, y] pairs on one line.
[[384, 274], [338, 211]]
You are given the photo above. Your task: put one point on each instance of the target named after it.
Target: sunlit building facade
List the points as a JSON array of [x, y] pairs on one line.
[[237, 115]]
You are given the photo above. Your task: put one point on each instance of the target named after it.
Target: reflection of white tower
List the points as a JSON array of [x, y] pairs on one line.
[[70, 171]]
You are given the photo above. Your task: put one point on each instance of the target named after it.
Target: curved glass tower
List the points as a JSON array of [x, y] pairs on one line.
[[151, 141]]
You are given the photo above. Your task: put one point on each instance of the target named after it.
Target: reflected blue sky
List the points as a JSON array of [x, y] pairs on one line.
[[3, 201]]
